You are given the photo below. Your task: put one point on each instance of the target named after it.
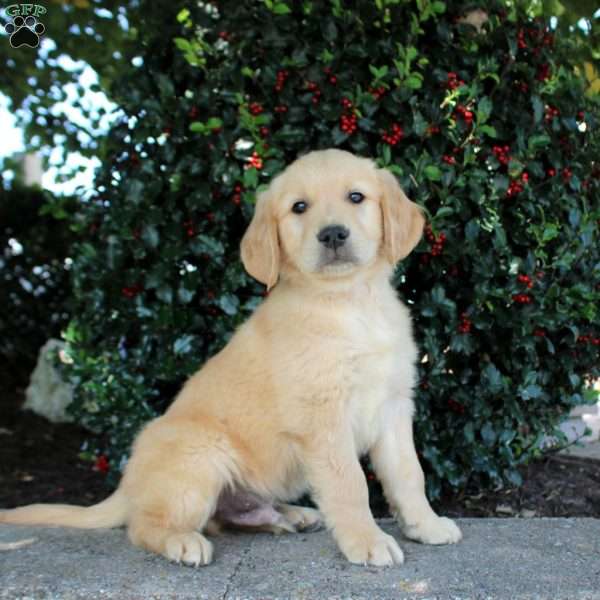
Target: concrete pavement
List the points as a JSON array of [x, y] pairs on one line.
[[500, 559]]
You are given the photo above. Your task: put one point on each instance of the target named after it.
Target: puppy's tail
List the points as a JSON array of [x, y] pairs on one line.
[[111, 512]]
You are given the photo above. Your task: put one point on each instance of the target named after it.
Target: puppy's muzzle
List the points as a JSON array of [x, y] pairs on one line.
[[333, 236]]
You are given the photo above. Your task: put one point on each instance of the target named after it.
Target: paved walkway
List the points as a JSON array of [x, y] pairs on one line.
[[500, 559]]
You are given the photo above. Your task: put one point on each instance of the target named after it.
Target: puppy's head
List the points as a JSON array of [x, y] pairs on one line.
[[329, 214]]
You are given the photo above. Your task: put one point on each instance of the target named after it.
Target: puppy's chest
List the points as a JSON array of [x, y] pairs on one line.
[[373, 371]]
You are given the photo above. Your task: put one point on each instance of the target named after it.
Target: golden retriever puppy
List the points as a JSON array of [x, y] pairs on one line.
[[321, 374]]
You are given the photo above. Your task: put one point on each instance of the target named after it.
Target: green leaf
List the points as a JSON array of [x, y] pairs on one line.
[[535, 142], [488, 435], [214, 123], [250, 178], [229, 304], [433, 173], [280, 8], [198, 127], [204, 244], [185, 296], [551, 231], [183, 15], [183, 44], [538, 108], [414, 81], [469, 433], [150, 236], [489, 131], [493, 377], [183, 345], [444, 211], [531, 391], [165, 294], [484, 109]]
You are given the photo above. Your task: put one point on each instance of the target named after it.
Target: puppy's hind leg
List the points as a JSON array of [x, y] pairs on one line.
[[302, 518], [168, 527], [175, 488]]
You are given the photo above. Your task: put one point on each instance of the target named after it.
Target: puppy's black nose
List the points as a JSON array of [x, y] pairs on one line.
[[333, 236]]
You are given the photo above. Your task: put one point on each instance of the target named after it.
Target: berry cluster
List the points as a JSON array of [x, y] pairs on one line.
[[281, 79], [551, 114], [377, 92], [449, 159], [330, 76], [465, 324], [543, 72], [537, 37], [311, 86], [551, 172], [465, 113], [433, 129], [516, 186], [523, 87], [588, 339], [522, 298], [437, 243], [539, 333], [502, 154], [393, 135], [190, 229], [236, 198], [132, 291], [255, 161], [526, 280], [452, 81], [101, 464], [255, 108], [348, 122], [281, 109], [567, 174]]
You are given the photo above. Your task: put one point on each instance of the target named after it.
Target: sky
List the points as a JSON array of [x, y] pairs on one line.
[[12, 139]]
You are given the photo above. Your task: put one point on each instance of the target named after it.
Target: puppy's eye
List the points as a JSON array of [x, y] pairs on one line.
[[356, 197], [299, 207]]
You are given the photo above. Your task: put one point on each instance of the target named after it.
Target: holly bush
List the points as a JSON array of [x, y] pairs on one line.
[[480, 115]]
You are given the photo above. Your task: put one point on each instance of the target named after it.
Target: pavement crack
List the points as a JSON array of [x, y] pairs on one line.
[[235, 571]]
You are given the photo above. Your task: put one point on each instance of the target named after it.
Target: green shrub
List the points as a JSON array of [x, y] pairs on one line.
[[488, 130]]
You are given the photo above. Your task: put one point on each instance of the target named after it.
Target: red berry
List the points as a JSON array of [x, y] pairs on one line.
[[256, 108], [101, 464]]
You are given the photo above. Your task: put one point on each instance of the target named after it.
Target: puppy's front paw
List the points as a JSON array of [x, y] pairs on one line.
[[378, 548], [434, 530]]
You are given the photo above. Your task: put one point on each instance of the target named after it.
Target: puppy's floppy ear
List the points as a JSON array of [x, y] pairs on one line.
[[403, 220], [260, 244]]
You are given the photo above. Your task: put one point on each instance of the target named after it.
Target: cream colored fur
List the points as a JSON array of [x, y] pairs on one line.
[[322, 373]]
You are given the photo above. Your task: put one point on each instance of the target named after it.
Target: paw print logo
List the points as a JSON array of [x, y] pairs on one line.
[[24, 32]]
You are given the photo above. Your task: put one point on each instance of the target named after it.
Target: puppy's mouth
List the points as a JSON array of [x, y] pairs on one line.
[[336, 260]]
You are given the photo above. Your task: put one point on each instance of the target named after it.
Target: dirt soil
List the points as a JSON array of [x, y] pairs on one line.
[[39, 462]]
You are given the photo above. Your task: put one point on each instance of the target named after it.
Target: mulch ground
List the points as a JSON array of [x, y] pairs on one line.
[[39, 462]]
